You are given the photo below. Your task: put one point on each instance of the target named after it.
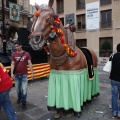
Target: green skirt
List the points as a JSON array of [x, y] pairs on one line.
[[70, 89]]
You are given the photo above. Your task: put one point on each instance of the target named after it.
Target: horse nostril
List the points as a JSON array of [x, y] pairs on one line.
[[36, 42], [37, 38]]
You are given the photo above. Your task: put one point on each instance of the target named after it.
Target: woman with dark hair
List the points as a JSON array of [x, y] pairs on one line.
[[115, 82]]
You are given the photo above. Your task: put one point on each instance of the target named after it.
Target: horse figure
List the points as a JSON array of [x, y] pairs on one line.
[[73, 77]]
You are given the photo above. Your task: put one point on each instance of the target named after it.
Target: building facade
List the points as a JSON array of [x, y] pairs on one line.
[[14, 25], [97, 23]]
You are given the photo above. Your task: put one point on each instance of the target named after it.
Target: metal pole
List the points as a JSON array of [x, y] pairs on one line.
[[3, 29]]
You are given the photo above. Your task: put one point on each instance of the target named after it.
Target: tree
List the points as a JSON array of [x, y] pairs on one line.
[[106, 46]]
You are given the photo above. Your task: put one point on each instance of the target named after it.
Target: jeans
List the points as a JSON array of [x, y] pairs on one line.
[[21, 83], [115, 93], [6, 104]]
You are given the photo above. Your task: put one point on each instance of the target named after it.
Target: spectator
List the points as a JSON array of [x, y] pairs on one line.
[[115, 82], [20, 74], [5, 86]]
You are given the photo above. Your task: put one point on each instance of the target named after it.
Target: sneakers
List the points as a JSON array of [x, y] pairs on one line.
[[58, 115], [23, 104], [118, 117], [115, 116], [24, 107]]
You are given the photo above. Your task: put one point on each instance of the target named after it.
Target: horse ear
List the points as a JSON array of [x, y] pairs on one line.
[[37, 6], [50, 3]]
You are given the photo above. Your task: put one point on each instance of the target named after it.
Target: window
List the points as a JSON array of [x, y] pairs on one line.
[[105, 46], [70, 19], [62, 21], [105, 2], [81, 43], [106, 19], [60, 6], [80, 22], [80, 4]]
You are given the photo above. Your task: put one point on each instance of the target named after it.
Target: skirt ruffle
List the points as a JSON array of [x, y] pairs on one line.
[[70, 89]]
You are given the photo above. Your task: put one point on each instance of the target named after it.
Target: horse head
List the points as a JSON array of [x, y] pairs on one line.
[[47, 26], [42, 24]]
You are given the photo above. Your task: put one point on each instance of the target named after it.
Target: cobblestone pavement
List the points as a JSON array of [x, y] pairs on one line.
[[37, 102]]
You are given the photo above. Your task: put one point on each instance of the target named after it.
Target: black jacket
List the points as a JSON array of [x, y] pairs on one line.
[[115, 70]]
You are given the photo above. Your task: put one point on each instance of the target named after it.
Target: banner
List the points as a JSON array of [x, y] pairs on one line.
[[14, 11], [92, 16]]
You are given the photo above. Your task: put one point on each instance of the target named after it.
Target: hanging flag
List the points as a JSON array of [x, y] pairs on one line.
[[14, 10]]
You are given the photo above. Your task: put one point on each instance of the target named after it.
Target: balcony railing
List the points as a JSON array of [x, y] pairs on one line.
[[105, 53], [82, 6], [105, 2], [81, 27], [105, 25]]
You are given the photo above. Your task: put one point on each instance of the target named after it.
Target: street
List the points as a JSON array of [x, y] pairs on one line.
[[98, 109]]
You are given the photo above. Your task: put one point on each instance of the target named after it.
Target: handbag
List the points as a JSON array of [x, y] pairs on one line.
[[9, 72], [108, 65]]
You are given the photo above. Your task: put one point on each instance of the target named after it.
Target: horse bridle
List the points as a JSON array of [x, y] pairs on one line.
[[37, 40]]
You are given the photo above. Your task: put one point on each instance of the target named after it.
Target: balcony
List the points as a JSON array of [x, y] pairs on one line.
[[104, 25], [80, 6], [104, 2], [81, 27], [104, 53]]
